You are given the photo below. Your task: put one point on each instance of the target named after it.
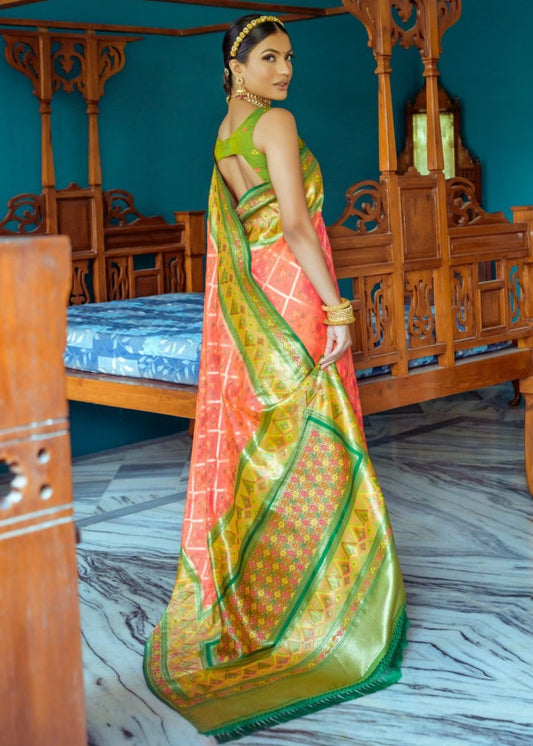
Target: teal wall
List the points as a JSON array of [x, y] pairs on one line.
[[159, 118], [487, 62]]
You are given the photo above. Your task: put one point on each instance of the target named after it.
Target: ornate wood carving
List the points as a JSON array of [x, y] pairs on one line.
[[82, 62], [118, 287], [462, 302], [119, 209], [404, 22], [56, 61], [516, 293], [175, 274], [408, 23], [22, 53], [25, 214], [379, 314], [365, 207], [130, 235], [79, 292], [428, 248], [449, 12], [366, 11], [411, 18], [420, 318], [463, 207]]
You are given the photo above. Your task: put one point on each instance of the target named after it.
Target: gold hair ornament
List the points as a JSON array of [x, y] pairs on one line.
[[249, 27]]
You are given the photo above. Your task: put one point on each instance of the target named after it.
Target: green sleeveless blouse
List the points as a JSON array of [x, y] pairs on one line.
[[240, 142]]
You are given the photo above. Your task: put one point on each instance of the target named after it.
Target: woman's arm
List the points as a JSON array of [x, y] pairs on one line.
[[276, 135]]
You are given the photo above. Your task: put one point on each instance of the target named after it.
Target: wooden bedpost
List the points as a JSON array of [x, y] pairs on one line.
[[194, 239], [41, 684], [525, 215]]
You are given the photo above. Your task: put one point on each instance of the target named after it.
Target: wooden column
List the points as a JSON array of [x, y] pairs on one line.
[[44, 94], [194, 239], [430, 53], [92, 96], [29, 52], [524, 214], [376, 17], [383, 53], [41, 685]]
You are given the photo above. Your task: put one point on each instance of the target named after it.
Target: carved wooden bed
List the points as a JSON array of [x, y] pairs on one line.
[[418, 251], [421, 253], [117, 253]]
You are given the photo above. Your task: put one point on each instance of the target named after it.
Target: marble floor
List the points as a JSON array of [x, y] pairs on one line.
[[452, 474]]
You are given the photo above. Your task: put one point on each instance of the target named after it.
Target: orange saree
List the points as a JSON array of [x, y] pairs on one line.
[[289, 596]]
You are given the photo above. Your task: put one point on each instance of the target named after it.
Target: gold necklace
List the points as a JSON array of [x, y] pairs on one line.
[[252, 98]]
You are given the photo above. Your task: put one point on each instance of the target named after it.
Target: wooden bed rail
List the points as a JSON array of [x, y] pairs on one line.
[[41, 684]]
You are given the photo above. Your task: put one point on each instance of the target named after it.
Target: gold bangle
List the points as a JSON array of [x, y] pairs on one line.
[[345, 303], [340, 321], [340, 317]]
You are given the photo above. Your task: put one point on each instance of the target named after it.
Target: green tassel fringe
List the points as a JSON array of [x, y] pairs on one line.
[[388, 672]]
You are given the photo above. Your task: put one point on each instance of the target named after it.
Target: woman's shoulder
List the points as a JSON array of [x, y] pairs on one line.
[[276, 124], [277, 116]]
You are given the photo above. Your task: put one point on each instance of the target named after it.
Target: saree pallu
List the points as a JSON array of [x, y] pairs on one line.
[[289, 595]]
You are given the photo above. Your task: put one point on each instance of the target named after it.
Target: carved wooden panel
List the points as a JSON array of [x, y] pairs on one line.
[[419, 221], [118, 278], [365, 211], [379, 308], [463, 204], [462, 286], [372, 331], [25, 214], [174, 273], [516, 289], [492, 306], [72, 61], [81, 275], [420, 322], [76, 219]]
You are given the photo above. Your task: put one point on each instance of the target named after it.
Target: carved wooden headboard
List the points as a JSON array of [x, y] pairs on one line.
[[117, 253]]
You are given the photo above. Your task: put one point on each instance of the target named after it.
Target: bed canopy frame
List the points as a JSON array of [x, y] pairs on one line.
[[111, 240], [425, 242]]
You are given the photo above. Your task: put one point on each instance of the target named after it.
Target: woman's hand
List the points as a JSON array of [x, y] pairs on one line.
[[338, 341]]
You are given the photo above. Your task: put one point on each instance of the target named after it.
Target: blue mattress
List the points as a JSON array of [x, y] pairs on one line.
[[155, 337], [159, 337]]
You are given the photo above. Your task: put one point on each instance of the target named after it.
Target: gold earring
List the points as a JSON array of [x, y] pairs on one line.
[[240, 89]]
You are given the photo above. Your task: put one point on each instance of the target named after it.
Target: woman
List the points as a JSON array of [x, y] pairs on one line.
[[288, 596]]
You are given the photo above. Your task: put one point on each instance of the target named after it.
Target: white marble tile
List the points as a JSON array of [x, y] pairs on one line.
[[461, 515], [131, 476]]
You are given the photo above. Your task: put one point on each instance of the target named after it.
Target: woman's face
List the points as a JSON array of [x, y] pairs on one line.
[[268, 70]]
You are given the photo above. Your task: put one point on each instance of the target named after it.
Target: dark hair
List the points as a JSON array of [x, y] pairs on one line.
[[256, 35]]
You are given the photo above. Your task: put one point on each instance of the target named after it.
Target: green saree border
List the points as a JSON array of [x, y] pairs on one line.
[[387, 672], [298, 369]]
